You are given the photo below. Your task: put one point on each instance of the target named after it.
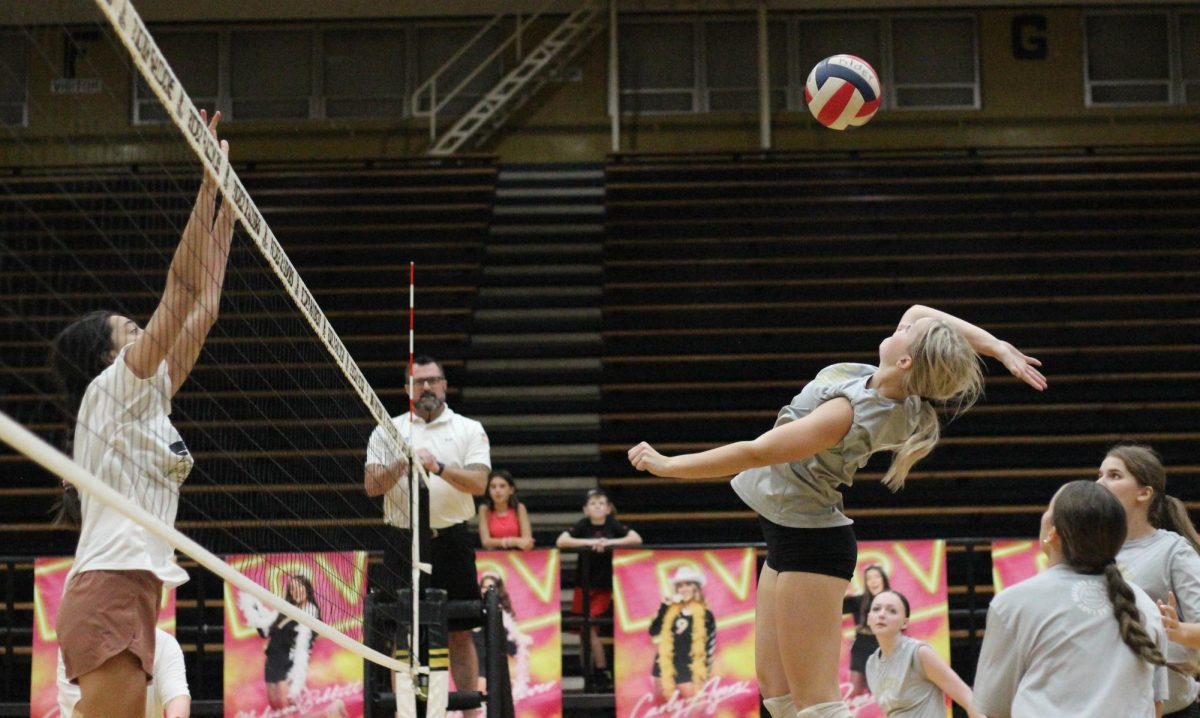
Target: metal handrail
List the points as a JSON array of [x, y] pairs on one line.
[[430, 85]]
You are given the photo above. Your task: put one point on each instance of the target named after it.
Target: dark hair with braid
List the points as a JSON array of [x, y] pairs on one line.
[[1165, 512], [1091, 523]]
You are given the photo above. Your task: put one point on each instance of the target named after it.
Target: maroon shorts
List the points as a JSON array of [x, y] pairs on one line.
[[104, 614], [600, 604]]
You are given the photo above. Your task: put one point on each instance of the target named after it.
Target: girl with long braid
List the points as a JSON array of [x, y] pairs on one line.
[[1161, 556], [685, 634], [791, 475], [1052, 646]]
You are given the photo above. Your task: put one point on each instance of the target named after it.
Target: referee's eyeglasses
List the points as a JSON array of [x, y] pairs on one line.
[[427, 381]]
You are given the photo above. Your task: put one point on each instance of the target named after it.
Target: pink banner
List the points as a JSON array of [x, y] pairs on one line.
[[275, 667], [49, 580], [530, 596], [1015, 561], [684, 633], [916, 569]]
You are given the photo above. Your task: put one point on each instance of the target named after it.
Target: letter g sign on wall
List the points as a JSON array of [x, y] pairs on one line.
[[1029, 37]]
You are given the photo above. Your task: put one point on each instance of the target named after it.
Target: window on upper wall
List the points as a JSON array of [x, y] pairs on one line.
[[1128, 58], [364, 73], [1189, 51], [731, 65], [271, 74], [195, 58], [1142, 57], [934, 63], [268, 74], [657, 66], [818, 38], [923, 61], [14, 80]]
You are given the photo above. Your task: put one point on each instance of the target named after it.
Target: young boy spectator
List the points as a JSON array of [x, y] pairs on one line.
[[599, 531]]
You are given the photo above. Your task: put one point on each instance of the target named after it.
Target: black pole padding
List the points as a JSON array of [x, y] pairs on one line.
[[499, 698], [464, 609], [464, 700]]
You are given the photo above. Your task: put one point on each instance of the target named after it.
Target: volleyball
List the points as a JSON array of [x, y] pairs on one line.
[[842, 91]]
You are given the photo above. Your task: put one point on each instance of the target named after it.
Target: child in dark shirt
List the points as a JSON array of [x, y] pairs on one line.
[[598, 530]]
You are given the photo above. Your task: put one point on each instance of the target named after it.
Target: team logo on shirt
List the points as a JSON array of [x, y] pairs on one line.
[[1091, 598]]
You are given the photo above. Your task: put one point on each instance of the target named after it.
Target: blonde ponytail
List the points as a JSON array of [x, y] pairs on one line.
[[916, 447], [945, 372]]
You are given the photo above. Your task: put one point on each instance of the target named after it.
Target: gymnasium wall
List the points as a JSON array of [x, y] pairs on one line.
[[1025, 103]]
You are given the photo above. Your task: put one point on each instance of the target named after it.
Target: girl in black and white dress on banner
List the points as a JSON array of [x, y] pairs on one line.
[[289, 644], [685, 635]]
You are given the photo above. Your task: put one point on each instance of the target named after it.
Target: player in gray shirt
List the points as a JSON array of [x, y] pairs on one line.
[[1075, 640], [791, 476], [1160, 557], [907, 678]]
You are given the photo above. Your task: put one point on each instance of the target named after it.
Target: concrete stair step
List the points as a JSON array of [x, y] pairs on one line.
[[534, 453], [512, 193], [539, 339], [562, 230], [579, 392], [532, 210], [509, 176], [525, 270], [544, 249], [578, 314], [540, 422], [533, 366]]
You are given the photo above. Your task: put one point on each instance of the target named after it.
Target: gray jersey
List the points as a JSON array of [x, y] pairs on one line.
[[1160, 563], [1053, 648], [804, 494], [900, 686]]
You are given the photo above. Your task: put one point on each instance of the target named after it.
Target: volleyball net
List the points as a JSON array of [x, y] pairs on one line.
[[276, 414]]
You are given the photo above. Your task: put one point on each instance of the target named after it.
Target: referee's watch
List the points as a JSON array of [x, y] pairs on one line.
[[441, 468]]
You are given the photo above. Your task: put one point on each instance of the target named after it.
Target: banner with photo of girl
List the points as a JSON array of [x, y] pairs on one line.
[[1015, 561], [916, 569], [684, 633], [529, 589], [49, 580], [276, 667]]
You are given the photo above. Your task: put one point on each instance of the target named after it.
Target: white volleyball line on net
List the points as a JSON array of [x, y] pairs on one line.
[[53, 460], [178, 105]]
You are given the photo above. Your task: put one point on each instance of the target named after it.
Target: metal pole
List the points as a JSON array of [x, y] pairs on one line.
[[764, 79], [614, 84]]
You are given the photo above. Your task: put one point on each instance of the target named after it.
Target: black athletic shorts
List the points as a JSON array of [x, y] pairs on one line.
[[452, 555], [829, 551]]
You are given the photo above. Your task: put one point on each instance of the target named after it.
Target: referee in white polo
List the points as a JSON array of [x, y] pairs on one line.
[[455, 452]]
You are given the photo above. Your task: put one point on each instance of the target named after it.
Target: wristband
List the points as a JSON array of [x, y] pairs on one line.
[[441, 468]]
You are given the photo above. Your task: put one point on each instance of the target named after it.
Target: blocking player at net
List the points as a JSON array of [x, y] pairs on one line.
[[118, 380]]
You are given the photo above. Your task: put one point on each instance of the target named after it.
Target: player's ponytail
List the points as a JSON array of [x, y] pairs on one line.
[[1133, 633], [947, 375], [1091, 523]]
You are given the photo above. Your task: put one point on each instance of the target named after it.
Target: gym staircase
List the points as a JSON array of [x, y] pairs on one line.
[[533, 366]]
